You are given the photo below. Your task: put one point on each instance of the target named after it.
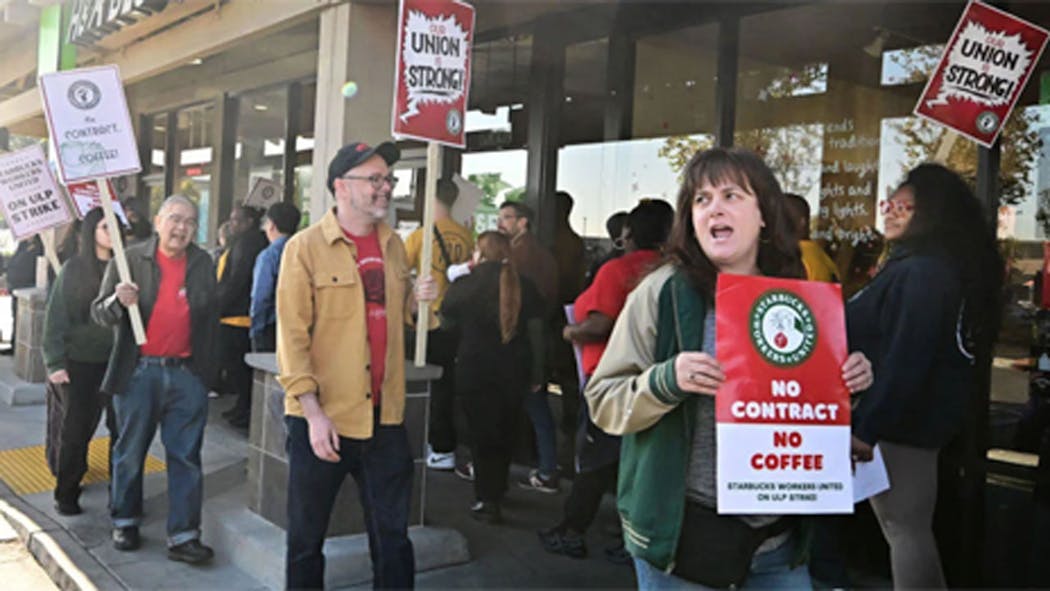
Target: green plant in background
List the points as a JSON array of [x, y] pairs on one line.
[[490, 183], [515, 194]]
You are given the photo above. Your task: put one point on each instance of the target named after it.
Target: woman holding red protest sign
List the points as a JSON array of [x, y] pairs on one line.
[[920, 320], [656, 383]]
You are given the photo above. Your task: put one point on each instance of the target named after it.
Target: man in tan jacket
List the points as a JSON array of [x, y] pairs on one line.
[[342, 296]]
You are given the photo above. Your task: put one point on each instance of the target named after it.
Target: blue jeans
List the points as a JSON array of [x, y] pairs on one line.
[[769, 570], [543, 424], [174, 398], [382, 468]]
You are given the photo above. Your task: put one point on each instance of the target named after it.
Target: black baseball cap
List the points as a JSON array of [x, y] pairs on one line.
[[354, 153]]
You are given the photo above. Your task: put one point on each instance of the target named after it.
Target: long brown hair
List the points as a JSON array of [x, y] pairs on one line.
[[495, 247], [778, 253]]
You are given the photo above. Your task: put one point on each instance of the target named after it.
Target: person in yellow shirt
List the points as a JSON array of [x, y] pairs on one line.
[[819, 266], [453, 244]]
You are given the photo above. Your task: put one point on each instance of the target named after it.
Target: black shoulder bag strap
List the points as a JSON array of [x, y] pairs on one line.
[[441, 245]]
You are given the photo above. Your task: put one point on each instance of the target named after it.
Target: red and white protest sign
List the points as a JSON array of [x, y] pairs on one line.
[[29, 195], [432, 80], [86, 196], [783, 413], [982, 72]]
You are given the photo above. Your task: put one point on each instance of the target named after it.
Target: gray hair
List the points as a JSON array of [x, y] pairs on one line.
[[179, 198]]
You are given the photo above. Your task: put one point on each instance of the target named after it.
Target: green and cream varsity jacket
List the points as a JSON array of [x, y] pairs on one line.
[[633, 393]]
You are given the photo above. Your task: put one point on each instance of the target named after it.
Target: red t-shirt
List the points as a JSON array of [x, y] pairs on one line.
[[608, 293], [370, 267], [168, 331]]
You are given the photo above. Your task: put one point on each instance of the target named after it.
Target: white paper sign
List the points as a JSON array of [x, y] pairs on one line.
[[91, 130], [870, 478], [31, 199], [264, 193]]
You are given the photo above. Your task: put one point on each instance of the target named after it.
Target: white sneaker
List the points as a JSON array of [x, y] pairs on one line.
[[441, 461]]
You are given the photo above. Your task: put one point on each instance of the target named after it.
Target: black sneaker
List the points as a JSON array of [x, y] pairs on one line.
[[618, 554], [559, 541], [192, 552], [126, 539], [486, 512], [68, 508], [538, 482]]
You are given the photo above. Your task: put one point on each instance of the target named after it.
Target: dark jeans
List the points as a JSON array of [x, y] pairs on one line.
[[235, 345], [73, 414], [586, 496], [828, 551], [266, 340], [493, 415], [382, 468], [539, 412], [176, 399]]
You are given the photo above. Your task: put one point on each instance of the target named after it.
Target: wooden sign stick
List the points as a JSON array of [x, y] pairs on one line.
[[426, 257], [47, 237], [944, 148], [118, 255]]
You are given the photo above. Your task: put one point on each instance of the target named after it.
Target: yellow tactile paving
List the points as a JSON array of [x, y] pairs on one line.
[[25, 469]]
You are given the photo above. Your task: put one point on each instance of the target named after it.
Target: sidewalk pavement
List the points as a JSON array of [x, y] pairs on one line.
[[78, 553]]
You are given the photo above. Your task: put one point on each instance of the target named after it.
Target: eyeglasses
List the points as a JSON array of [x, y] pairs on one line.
[[897, 206], [376, 180], [177, 220]]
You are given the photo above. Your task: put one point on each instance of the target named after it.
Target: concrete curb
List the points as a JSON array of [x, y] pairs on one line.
[[70, 566], [14, 390], [257, 546]]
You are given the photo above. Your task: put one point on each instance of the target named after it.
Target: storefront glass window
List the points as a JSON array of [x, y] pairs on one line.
[[495, 127], [304, 149], [672, 116], [194, 141], [259, 152], [500, 175], [154, 177], [831, 114]]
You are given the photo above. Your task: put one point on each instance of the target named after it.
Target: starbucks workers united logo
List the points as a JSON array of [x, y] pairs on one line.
[[782, 328]]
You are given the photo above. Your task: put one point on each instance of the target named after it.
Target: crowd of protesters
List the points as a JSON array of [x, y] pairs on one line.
[[337, 304]]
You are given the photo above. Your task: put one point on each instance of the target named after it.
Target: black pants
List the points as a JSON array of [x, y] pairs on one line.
[[382, 468], [265, 341], [586, 496], [493, 415], [74, 410], [235, 345], [441, 350]]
